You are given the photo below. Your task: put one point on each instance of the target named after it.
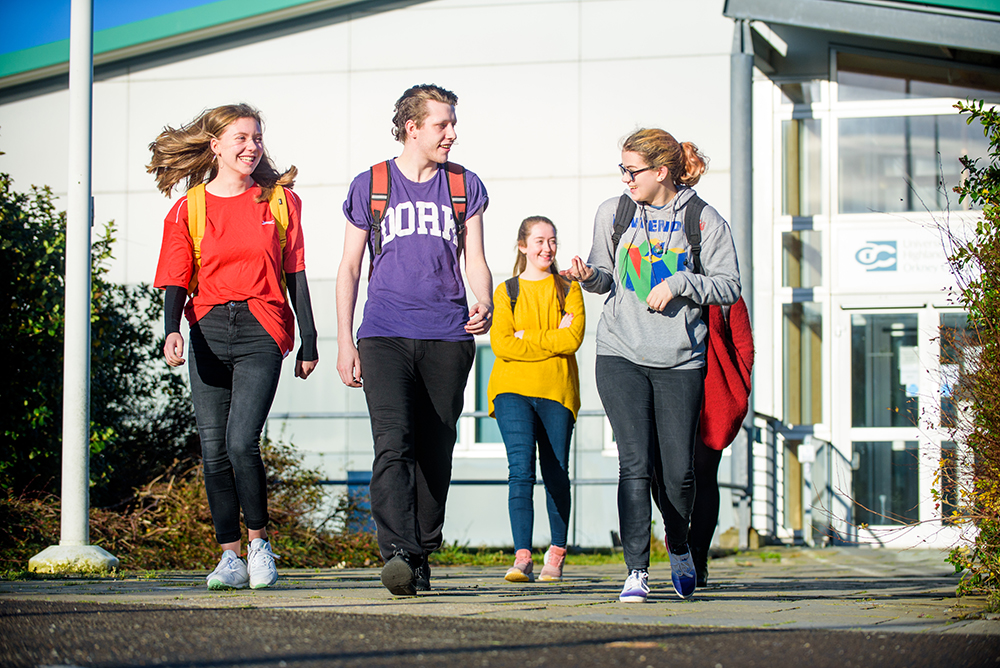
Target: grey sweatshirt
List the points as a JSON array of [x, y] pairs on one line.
[[652, 249]]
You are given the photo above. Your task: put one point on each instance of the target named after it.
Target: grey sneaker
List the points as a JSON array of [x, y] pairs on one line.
[[231, 573], [260, 563]]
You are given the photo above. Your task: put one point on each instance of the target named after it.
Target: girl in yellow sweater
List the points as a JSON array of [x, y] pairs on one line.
[[534, 390]]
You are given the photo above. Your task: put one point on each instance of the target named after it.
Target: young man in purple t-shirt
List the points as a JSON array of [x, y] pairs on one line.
[[415, 344]]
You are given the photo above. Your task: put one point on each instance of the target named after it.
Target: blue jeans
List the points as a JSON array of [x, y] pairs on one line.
[[654, 414], [234, 369], [523, 422]]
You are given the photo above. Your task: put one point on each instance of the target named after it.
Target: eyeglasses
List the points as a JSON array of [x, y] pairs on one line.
[[631, 172]]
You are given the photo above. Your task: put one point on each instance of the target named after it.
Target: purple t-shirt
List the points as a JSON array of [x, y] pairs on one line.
[[416, 289]]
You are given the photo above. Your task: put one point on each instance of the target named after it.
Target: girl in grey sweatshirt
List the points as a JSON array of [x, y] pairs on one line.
[[651, 342]]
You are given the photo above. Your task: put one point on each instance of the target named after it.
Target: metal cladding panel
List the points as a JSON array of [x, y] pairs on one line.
[[920, 24]]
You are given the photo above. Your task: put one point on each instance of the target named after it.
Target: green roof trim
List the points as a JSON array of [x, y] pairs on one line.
[[972, 5], [145, 31]]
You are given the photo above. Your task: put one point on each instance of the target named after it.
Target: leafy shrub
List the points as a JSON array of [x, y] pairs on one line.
[[166, 524], [975, 262], [141, 414]]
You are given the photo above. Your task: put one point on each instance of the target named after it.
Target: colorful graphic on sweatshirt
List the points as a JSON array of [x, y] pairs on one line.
[[642, 267]]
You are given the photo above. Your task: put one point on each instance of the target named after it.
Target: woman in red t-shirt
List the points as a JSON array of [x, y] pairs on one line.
[[241, 326]]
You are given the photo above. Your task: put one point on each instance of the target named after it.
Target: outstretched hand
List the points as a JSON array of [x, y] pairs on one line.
[[578, 270]]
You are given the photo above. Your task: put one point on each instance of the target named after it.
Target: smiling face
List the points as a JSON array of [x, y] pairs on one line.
[[650, 185], [239, 148], [433, 138], [539, 248]]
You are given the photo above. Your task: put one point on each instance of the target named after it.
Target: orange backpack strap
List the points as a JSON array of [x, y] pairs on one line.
[[378, 199], [279, 210], [456, 190], [196, 228]]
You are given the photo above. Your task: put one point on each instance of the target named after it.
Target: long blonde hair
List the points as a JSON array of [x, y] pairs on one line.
[[186, 153], [521, 261], [659, 148]]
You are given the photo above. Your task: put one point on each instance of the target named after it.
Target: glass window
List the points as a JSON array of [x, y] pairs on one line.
[[801, 259], [486, 427], [864, 77], [903, 163], [803, 363], [800, 172], [954, 342], [885, 482], [885, 370], [792, 488]]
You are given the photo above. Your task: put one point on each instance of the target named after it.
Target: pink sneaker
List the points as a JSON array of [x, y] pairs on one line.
[[521, 570], [552, 568]]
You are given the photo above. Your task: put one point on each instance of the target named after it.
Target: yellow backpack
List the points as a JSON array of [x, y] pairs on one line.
[[196, 225]]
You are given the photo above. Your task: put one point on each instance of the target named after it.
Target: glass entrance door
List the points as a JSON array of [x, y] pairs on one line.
[[885, 403], [893, 406]]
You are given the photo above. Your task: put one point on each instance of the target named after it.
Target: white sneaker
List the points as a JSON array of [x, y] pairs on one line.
[[636, 587], [260, 562], [231, 573]]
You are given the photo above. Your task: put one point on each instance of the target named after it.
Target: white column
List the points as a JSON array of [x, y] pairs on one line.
[[74, 552]]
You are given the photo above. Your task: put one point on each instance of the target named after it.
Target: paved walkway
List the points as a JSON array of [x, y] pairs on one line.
[[862, 589]]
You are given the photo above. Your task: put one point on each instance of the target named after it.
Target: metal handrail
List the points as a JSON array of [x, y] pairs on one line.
[[746, 490], [591, 412]]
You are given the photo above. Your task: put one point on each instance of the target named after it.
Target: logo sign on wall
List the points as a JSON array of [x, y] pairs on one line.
[[877, 256], [894, 258]]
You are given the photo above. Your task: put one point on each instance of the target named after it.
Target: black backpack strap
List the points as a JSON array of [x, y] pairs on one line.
[[513, 288], [692, 228], [623, 218]]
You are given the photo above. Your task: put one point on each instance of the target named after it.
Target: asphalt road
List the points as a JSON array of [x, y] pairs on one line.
[[37, 633]]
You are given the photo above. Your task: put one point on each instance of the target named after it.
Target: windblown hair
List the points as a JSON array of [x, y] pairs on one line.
[[186, 153], [659, 148], [412, 106], [521, 261]]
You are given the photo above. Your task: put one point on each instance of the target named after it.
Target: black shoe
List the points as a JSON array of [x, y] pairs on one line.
[[398, 575], [700, 568], [422, 575]]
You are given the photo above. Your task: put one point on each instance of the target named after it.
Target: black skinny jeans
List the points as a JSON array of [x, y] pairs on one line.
[[705, 514], [654, 413], [234, 370], [415, 391]]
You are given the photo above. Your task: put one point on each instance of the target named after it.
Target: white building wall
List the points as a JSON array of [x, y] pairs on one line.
[[547, 89]]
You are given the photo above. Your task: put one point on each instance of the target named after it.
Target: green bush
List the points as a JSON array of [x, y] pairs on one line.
[[141, 415], [975, 262]]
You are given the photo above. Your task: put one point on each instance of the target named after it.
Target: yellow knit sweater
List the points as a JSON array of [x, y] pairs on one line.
[[542, 363]]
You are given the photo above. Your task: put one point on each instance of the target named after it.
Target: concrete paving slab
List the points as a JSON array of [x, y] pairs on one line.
[[843, 588]]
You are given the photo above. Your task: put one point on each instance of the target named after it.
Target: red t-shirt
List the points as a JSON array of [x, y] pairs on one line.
[[241, 259]]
